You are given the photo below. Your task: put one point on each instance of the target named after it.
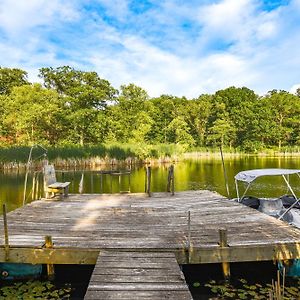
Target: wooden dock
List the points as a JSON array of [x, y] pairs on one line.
[[139, 230], [137, 275]]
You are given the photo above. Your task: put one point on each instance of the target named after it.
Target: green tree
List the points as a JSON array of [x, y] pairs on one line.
[[10, 78], [33, 115], [129, 118], [178, 131], [197, 117], [238, 104], [86, 95], [282, 112]]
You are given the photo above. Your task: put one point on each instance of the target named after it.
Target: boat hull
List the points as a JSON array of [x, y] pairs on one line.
[[15, 271]]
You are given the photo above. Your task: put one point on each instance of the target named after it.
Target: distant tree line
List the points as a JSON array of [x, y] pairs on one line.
[[75, 107]]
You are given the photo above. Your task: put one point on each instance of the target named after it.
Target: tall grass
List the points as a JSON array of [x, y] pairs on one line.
[[15, 157], [72, 155]]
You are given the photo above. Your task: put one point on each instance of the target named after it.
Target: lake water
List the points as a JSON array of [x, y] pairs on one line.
[[204, 173]]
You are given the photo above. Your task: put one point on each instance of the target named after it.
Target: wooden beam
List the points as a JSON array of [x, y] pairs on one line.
[[244, 253], [197, 255], [50, 256]]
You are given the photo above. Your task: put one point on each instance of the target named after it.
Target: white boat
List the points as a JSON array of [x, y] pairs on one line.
[[285, 207]]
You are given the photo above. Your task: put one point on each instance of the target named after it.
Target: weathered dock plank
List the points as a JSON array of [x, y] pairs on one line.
[[134, 276], [83, 225]]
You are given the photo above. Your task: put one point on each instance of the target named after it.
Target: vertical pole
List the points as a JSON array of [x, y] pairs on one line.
[[173, 180], [225, 174], [33, 186], [169, 181], [80, 188], [6, 240], [189, 236], [50, 267], [189, 228], [26, 174], [148, 181], [37, 186], [146, 176], [171, 184], [92, 182], [111, 183], [101, 183], [223, 244], [129, 183]]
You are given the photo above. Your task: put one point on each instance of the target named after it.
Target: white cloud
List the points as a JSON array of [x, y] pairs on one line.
[[294, 88], [19, 16], [226, 43]]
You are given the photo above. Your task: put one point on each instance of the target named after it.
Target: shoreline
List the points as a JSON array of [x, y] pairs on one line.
[[96, 161]]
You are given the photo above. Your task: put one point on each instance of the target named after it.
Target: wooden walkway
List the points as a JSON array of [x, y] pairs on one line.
[[134, 275], [137, 228]]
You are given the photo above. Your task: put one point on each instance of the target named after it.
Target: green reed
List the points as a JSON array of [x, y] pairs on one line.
[[14, 157]]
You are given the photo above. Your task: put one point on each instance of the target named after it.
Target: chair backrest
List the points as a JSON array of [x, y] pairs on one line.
[[49, 175]]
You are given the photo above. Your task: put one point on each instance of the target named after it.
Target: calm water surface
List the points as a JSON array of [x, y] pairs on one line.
[[205, 173]]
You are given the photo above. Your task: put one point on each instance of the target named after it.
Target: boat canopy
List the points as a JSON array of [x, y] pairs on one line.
[[250, 175]]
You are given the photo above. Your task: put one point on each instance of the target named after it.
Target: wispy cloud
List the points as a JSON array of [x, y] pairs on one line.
[[167, 47]]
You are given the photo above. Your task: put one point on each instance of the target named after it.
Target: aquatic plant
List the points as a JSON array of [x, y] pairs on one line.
[[34, 290], [247, 291]]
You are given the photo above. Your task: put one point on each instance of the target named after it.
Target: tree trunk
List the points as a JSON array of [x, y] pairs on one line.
[[81, 138]]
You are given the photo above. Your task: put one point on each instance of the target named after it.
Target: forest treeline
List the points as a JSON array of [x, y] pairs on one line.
[[72, 107]]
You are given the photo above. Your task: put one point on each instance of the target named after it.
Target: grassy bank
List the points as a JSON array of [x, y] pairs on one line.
[[17, 157], [69, 156]]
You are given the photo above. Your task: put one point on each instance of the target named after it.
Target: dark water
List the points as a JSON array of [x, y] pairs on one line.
[[206, 173]]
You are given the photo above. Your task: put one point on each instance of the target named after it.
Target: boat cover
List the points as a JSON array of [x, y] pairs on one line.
[[251, 175]]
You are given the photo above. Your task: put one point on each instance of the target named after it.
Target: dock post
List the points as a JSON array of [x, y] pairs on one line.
[[50, 267], [148, 181], [129, 183], [6, 240], [188, 244], [171, 184], [223, 244]]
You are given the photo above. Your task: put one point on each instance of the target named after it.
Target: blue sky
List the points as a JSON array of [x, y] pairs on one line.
[[182, 48]]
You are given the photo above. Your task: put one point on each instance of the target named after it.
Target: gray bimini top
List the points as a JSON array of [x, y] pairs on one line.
[[251, 175]]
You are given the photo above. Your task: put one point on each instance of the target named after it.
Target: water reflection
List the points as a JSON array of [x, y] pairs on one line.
[[205, 173]]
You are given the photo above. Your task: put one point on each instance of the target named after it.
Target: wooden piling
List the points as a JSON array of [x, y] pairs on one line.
[[188, 246], [171, 184], [148, 181], [223, 244], [6, 240], [129, 183], [50, 267]]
